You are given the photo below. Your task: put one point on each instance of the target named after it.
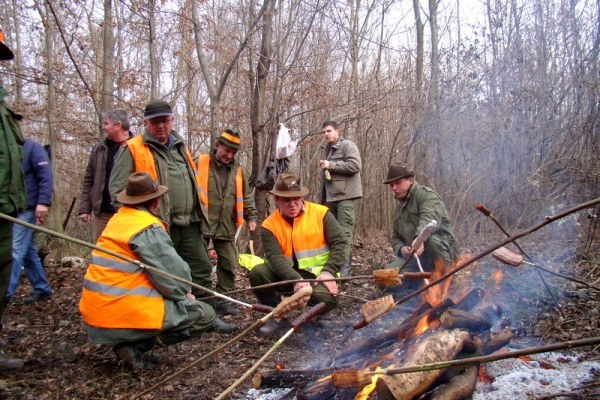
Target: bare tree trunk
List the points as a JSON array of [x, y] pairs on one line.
[[17, 51], [152, 49], [107, 62], [56, 203], [420, 45]]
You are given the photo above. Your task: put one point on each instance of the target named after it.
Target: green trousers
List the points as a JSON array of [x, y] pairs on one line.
[[262, 274], [226, 263], [189, 244], [343, 211]]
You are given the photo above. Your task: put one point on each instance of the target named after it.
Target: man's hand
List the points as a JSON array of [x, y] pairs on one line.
[[300, 285], [190, 296], [324, 164], [420, 250], [85, 217], [41, 211], [330, 285], [406, 251], [251, 226]]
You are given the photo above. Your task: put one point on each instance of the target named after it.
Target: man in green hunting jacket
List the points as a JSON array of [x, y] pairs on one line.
[[13, 195], [418, 205]]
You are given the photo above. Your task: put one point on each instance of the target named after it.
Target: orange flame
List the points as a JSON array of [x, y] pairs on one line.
[[482, 375], [422, 325], [434, 295], [497, 275], [366, 391]]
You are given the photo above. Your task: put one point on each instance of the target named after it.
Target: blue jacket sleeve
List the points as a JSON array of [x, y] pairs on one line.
[[40, 164]]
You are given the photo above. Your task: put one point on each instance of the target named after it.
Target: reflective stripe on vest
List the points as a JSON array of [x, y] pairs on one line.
[[116, 293], [306, 238], [202, 183]]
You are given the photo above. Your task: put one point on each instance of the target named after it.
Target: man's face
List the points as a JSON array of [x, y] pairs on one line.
[[401, 186], [159, 127], [331, 134], [111, 129], [224, 153], [289, 206]]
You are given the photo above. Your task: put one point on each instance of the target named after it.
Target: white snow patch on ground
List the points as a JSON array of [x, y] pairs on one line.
[[518, 379]]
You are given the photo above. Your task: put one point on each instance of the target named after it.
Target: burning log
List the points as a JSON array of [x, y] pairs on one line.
[[496, 341], [288, 378], [491, 313], [460, 386], [454, 318], [441, 345]]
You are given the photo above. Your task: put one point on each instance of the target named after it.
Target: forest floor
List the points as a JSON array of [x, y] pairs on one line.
[[60, 363]]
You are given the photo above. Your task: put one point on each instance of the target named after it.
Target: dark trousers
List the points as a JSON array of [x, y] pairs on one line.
[[261, 274], [5, 262], [189, 244]]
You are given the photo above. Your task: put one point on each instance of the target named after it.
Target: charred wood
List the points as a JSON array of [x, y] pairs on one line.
[[495, 341], [285, 378], [460, 387], [455, 318], [492, 313], [470, 300]]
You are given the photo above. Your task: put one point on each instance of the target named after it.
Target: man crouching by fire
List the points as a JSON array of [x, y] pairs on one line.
[[135, 308], [418, 206], [302, 240]]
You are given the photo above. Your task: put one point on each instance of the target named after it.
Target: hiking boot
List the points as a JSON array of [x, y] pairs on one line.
[[227, 309], [272, 327], [131, 356], [37, 297], [10, 364], [220, 326]]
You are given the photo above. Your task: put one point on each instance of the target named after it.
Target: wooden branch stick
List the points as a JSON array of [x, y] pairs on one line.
[[307, 316], [204, 357], [466, 263], [481, 359], [257, 307], [489, 214]]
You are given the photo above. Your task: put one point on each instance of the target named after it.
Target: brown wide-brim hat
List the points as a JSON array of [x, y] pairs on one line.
[[288, 185], [140, 188], [397, 171]]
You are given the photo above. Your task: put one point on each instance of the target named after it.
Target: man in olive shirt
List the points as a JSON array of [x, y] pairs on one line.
[[418, 205], [229, 202], [163, 153]]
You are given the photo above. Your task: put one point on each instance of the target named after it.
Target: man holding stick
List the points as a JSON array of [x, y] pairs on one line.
[[302, 240], [418, 206], [134, 307]]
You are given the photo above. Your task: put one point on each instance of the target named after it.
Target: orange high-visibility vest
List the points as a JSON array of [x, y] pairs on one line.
[[202, 183], [144, 160], [306, 238], [116, 293]]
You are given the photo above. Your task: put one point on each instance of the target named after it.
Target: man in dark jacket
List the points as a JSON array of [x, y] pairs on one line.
[[418, 205], [38, 180], [12, 193], [229, 202], [341, 165], [95, 195]]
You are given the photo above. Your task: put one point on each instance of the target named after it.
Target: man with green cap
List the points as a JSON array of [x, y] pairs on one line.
[[418, 205], [229, 202], [163, 153], [13, 195]]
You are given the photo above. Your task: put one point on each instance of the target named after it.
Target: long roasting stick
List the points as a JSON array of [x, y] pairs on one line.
[[488, 213], [466, 263], [354, 377], [257, 307], [420, 239], [204, 357], [299, 322]]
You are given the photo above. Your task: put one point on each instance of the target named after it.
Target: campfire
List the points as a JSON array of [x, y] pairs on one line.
[[439, 330]]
